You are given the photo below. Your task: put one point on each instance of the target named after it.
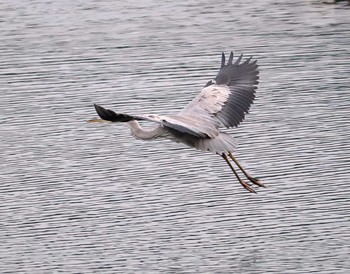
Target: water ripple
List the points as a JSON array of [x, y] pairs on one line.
[[87, 198]]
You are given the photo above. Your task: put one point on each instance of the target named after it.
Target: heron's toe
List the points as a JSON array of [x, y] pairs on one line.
[[256, 181], [247, 186]]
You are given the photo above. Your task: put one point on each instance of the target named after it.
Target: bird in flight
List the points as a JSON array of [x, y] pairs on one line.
[[223, 102]]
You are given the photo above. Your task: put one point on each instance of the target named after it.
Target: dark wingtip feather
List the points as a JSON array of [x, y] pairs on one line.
[[248, 60], [230, 59], [222, 60], [238, 60]]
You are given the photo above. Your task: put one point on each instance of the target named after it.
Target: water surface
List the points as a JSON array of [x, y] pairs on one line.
[[87, 198]]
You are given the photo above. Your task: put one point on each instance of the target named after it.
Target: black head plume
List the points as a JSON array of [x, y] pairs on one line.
[[110, 115]]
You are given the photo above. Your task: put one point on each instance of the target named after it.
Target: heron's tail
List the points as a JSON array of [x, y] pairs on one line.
[[223, 143]]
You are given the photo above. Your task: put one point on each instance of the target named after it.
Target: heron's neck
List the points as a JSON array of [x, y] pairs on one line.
[[140, 133]]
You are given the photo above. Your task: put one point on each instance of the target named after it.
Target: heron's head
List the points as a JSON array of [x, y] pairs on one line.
[[108, 115]]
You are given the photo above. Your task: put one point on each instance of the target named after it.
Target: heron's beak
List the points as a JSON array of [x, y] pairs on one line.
[[97, 120]]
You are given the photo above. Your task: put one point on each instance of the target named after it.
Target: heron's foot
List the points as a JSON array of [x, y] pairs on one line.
[[255, 181], [247, 186]]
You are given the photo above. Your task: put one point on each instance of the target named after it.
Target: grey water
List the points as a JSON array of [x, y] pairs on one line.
[[78, 197]]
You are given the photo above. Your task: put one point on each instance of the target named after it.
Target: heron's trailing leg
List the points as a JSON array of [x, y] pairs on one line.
[[250, 178], [243, 183]]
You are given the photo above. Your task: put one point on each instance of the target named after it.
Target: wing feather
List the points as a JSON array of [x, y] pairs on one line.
[[226, 100], [184, 127], [190, 126]]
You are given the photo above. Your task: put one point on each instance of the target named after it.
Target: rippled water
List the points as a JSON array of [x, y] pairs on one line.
[[85, 198]]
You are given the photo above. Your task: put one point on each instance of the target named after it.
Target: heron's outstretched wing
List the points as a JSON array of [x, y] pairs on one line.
[[225, 100]]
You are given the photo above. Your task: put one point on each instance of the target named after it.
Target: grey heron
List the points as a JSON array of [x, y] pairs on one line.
[[223, 102]]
